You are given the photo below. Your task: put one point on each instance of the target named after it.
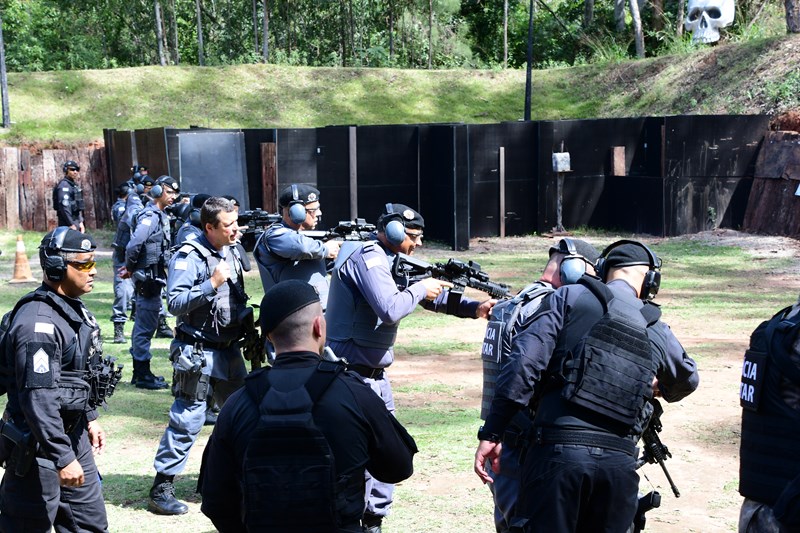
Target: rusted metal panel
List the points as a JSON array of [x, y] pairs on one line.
[[779, 156], [773, 208]]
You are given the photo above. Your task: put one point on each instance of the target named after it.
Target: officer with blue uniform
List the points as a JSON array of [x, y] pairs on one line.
[[123, 288], [68, 198], [569, 260], [283, 252], [190, 229], [365, 306], [579, 473], [146, 256], [206, 292]]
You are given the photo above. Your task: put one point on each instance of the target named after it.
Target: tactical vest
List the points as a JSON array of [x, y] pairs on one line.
[[222, 314], [155, 249], [504, 322], [770, 428], [610, 371], [349, 317], [75, 203], [289, 474]]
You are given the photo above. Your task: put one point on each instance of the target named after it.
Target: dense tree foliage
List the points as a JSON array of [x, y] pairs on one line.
[[64, 34]]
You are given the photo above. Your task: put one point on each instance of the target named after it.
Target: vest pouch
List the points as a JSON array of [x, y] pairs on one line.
[[73, 395]]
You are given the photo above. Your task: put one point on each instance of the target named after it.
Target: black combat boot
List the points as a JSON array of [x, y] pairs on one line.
[[162, 497], [164, 331], [119, 333], [143, 378], [371, 523]]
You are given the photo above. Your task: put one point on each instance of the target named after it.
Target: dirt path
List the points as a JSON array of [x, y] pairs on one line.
[[702, 432]]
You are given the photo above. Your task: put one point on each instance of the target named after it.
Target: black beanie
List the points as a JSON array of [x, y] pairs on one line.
[[628, 254], [284, 299]]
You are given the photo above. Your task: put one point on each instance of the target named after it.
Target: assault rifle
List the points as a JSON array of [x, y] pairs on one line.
[[459, 273], [654, 451], [251, 343], [346, 230], [255, 221]]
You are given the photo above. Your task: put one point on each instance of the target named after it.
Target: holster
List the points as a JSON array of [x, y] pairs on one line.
[[188, 380], [150, 287], [19, 448]]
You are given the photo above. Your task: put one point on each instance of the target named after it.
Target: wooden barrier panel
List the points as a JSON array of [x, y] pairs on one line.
[[9, 188]]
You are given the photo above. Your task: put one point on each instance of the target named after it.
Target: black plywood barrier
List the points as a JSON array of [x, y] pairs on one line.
[[252, 155], [333, 175], [151, 151], [118, 155], [213, 162], [630, 204]]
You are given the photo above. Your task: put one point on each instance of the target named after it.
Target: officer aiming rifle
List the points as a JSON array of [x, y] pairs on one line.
[[346, 230], [253, 223]]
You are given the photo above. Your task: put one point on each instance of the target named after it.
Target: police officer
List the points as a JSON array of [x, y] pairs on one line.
[[283, 252], [569, 260], [50, 478], [190, 229], [68, 198], [123, 288], [769, 468], [206, 293], [580, 469], [365, 306], [355, 423], [146, 257]]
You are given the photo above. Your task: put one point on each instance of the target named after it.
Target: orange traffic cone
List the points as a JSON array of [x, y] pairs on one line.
[[22, 269]]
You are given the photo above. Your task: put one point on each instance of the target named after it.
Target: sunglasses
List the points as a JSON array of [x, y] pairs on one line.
[[83, 266]]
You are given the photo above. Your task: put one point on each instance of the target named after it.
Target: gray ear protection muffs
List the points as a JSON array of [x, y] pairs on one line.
[[573, 265], [53, 264], [652, 280], [297, 209], [393, 226]]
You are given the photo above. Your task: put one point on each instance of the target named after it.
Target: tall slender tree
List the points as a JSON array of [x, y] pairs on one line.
[[265, 40], [200, 58], [162, 57], [4, 78]]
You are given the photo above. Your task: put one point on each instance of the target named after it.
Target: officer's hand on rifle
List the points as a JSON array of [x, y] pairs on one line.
[[333, 249], [71, 475], [221, 274], [484, 308], [434, 287]]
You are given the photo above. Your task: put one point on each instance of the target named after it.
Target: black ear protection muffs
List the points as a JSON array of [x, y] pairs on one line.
[[70, 164], [652, 280], [158, 189], [573, 265], [393, 226], [297, 209], [53, 264]]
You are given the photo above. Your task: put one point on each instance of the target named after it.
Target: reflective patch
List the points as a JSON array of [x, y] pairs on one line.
[[40, 365], [191, 237], [44, 327], [373, 262], [147, 222], [181, 265], [41, 362], [65, 189]]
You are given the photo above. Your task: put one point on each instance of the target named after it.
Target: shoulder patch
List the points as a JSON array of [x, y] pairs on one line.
[[373, 262], [44, 327], [181, 264], [147, 221], [40, 365]]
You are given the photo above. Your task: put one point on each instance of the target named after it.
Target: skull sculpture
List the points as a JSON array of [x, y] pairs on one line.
[[706, 17]]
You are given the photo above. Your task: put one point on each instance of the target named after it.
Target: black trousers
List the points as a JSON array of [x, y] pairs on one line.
[[572, 488], [36, 502]]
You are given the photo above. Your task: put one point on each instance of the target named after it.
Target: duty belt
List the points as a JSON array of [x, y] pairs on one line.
[[189, 339], [584, 438], [366, 371]]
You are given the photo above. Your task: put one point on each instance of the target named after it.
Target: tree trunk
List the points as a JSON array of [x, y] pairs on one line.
[[681, 16], [162, 58], [256, 48], [430, 34], [529, 66], [619, 14], [658, 15], [505, 34], [637, 28], [792, 16], [343, 32], [265, 42], [200, 59], [4, 79], [176, 52], [391, 31], [588, 13]]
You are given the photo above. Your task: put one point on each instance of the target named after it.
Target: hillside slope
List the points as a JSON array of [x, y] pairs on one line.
[[55, 108]]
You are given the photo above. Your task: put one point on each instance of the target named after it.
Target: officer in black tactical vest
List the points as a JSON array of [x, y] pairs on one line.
[[769, 469], [56, 379], [68, 198], [248, 461], [579, 473]]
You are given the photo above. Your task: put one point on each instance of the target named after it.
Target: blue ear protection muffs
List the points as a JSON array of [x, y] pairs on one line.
[[652, 280], [573, 265], [297, 209], [393, 226], [53, 264]]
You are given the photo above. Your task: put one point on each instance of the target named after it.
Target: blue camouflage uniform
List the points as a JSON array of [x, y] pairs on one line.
[[284, 253], [207, 333], [145, 257], [365, 307]]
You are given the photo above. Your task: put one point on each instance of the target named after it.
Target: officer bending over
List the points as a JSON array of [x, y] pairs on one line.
[[355, 427], [50, 477], [206, 293], [580, 469]]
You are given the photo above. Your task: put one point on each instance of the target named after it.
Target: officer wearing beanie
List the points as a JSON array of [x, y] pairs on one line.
[[365, 306], [51, 480], [569, 260], [353, 420], [68, 198], [579, 473], [283, 252]]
